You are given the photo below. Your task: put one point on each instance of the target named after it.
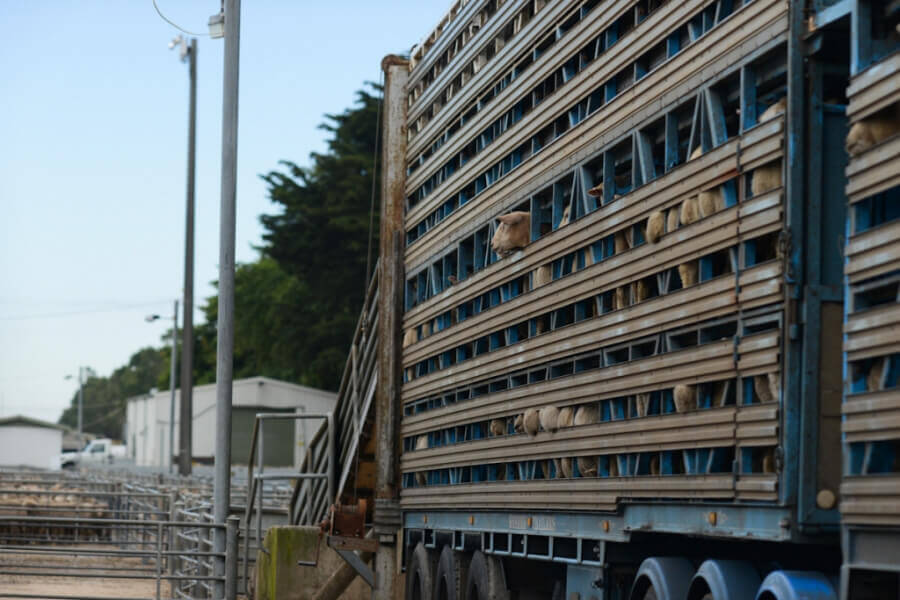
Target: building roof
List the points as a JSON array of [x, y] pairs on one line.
[[23, 420], [249, 381]]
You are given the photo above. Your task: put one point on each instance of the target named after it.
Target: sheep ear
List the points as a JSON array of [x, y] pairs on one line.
[[509, 219]]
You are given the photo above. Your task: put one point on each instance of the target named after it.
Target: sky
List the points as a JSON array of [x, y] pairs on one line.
[[93, 148]]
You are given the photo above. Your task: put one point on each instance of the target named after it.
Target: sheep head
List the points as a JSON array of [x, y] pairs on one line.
[[512, 233]]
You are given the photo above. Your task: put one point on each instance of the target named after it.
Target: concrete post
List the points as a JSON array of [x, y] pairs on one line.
[[225, 326], [186, 431], [390, 294]]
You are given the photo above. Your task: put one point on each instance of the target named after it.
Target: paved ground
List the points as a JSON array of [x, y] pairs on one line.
[[42, 585]]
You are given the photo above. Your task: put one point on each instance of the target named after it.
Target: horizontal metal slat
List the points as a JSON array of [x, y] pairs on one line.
[[614, 119], [873, 252], [663, 192], [583, 493], [548, 62], [874, 170], [874, 89], [699, 429], [581, 337], [627, 49]]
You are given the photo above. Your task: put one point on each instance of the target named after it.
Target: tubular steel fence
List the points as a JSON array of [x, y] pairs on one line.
[[112, 533]]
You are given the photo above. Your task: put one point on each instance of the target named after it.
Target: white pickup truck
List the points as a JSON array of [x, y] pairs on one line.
[[99, 450]]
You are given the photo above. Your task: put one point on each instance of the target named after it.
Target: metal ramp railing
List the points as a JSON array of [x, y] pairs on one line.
[[331, 463], [353, 422]]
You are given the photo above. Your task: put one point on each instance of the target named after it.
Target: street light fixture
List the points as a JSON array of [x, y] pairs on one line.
[[217, 25], [174, 317]]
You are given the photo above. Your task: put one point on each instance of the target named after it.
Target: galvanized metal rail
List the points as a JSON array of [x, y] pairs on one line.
[[351, 424], [157, 535]]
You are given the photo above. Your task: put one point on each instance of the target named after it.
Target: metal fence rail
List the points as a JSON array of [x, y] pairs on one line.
[[101, 526]]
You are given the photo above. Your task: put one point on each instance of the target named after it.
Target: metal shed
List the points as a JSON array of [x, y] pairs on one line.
[[147, 421], [27, 442]]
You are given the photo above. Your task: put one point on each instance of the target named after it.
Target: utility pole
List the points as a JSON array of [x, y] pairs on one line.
[[390, 293], [80, 408], [174, 360], [225, 324], [186, 412]]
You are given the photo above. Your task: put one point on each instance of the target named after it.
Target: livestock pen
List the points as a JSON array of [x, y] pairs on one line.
[[112, 533]]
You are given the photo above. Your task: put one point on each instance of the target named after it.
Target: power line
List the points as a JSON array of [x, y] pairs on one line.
[[173, 23], [79, 312]]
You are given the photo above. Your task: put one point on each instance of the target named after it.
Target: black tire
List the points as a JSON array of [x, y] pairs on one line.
[[450, 577], [485, 580], [420, 574]]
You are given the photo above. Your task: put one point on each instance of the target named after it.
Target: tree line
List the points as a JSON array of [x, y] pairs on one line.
[[296, 306]]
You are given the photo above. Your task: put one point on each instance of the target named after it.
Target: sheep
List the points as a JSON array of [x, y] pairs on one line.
[[768, 177], [766, 387], [621, 242], [654, 464], [549, 418], [596, 191], [497, 427], [613, 466], [642, 404], [656, 224], [641, 291], [531, 422], [586, 415], [697, 153], [871, 131], [672, 219], [421, 444], [774, 110], [685, 398], [565, 217], [690, 211], [410, 337], [542, 276], [512, 234], [875, 378], [688, 273], [768, 461], [565, 418], [710, 202], [620, 298], [587, 466], [519, 424]]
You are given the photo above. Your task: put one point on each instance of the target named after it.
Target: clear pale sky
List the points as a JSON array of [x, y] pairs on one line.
[[93, 122]]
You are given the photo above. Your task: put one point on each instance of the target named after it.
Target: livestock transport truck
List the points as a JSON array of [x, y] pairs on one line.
[[650, 324]]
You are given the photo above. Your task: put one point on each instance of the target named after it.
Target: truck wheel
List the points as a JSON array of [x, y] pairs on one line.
[[420, 574], [450, 577], [485, 580]]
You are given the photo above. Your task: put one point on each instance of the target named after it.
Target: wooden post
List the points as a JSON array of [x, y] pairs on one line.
[[390, 296]]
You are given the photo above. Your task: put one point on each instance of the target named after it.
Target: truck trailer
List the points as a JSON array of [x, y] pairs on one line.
[[649, 258]]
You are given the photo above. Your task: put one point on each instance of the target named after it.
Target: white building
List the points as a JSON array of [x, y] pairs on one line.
[[147, 422], [27, 442]]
